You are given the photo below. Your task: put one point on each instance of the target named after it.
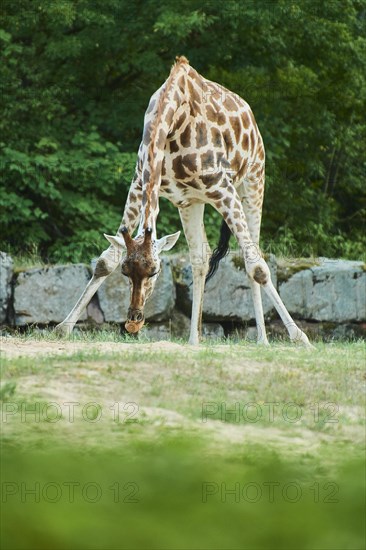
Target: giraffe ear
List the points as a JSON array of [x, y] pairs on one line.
[[166, 243], [115, 241]]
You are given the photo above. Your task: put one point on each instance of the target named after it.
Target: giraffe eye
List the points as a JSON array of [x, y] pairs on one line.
[[153, 274]]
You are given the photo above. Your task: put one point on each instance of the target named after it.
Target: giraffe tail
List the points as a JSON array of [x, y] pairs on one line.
[[220, 252]]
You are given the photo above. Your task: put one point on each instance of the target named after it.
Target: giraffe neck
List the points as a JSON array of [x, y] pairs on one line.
[[156, 134], [149, 213]]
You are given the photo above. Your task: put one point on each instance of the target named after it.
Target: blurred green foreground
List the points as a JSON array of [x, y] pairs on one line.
[[177, 494]]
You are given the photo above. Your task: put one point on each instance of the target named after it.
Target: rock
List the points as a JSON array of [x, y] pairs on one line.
[[227, 295], [47, 295], [239, 332], [212, 331], [178, 327], [287, 267], [324, 331], [114, 296], [156, 332], [95, 314], [333, 291], [6, 274], [348, 331]]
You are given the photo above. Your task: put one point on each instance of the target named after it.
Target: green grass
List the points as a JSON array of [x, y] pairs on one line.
[[154, 421]]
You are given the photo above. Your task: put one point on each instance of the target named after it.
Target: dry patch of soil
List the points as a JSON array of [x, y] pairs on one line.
[[16, 347]]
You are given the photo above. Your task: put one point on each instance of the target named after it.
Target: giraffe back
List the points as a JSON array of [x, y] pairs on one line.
[[196, 131]]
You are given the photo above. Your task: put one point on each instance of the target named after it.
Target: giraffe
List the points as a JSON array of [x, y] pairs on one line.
[[200, 145]]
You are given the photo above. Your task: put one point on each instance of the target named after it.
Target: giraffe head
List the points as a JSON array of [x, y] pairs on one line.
[[142, 265]]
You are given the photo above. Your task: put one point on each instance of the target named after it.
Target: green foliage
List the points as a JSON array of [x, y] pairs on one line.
[[76, 78], [64, 200]]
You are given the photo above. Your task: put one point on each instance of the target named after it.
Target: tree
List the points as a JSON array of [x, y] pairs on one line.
[[76, 78]]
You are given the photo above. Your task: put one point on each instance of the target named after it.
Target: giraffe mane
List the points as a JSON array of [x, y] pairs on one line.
[[179, 61]]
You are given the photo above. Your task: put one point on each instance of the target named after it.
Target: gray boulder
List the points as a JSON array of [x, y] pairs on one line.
[[335, 290], [179, 326], [114, 296], [6, 274], [212, 331], [47, 295], [156, 332], [227, 295]]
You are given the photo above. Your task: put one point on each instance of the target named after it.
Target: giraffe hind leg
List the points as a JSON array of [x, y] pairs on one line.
[[256, 267], [253, 211]]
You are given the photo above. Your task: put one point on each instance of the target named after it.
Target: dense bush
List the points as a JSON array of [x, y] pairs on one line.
[[76, 77]]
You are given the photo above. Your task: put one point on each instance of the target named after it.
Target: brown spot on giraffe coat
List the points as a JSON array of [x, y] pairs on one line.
[[236, 126], [207, 161], [215, 195], [211, 114], [101, 269], [147, 134], [236, 162], [173, 146], [151, 106], [190, 162], [252, 140], [216, 137], [228, 141], [245, 119], [260, 276], [161, 139], [179, 170], [185, 137], [181, 120], [245, 142], [193, 94], [201, 135], [209, 180], [229, 103], [192, 183]]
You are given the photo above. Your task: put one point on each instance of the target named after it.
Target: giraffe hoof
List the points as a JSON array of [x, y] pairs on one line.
[[63, 329], [301, 338], [193, 342], [262, 342], [310, 347]]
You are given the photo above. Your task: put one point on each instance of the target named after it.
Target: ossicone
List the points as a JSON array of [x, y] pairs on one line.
[[148, 235], [127, 238]]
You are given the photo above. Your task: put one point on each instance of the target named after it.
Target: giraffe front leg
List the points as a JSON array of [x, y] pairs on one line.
[[199, 271], [106, 264], [192, 221]]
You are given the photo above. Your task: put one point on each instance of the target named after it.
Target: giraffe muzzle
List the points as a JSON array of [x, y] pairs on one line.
[[135, 320]]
